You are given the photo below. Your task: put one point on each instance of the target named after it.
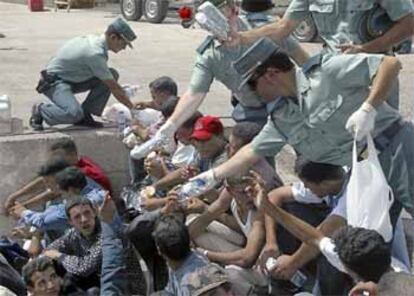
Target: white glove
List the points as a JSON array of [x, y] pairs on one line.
[[362, 121], [209, 179], [163, 138]]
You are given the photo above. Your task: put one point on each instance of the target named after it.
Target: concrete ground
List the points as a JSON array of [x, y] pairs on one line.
[[31, 38]]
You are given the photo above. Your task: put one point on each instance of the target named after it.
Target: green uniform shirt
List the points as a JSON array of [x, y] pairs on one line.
[[314, 122], [80, 59], [215, 62], [338, 21]]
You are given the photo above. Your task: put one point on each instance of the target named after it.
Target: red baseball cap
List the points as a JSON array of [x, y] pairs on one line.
[[205, 127]]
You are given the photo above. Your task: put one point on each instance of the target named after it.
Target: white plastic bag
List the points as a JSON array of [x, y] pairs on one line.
[[369, 197]]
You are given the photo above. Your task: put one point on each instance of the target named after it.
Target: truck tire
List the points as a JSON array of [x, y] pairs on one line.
[[306, 31], [155, 11], [131, 9]]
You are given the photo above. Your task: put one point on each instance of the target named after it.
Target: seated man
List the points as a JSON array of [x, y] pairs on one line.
[[241, 134], [79, 250], [52, 220], [41, 276], [311, 199], [66, 148], [189, 272], [322, 190], [72, 181], [361, 253], [161, 89], [209, 141], [81, 65]]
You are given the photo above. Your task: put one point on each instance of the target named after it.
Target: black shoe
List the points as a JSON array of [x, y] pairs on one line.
[[88, 121], [36, 120]]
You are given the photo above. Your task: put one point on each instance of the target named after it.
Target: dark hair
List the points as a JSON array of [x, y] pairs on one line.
[[66, 144], [71, 177], [164, 84], [77, 201], [52, 166], [279, 60], [396, 283], [168, 107], [363, 251], [190, 122], [256, 5], [38, 264], [171, 237], [246, 131], [317, 172]]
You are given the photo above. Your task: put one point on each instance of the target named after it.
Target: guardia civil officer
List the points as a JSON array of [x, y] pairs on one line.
[[80, 65], [348, 26], [214, 61], [320, 109]]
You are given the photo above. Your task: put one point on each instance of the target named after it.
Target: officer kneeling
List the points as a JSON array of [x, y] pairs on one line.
[[80, 65]]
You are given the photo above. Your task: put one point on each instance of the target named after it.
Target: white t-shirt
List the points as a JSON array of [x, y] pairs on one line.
[[327, 248]]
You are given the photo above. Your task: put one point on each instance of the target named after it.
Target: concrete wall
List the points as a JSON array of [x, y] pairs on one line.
[[22, 155]]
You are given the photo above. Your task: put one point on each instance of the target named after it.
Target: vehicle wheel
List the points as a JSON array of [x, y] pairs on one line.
[[155, 11], [306, 31], [131, 9]]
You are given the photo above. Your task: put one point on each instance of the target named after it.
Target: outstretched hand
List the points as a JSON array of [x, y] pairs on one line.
[[107, 210], [257, 190]]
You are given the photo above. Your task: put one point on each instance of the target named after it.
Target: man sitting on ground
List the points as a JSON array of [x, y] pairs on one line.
[[79, 250], [65, 148], [52, 220], [209, 141], [189, 272], [361, 253]]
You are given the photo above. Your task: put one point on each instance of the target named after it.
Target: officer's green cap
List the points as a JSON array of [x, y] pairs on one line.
[[255, 56], [121, 27]]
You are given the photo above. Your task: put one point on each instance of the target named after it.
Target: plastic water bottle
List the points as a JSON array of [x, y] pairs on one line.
[[5, 108], [210, 18], [131, 90], [191, 189], [122, 123], [298, 279], [144, 149]]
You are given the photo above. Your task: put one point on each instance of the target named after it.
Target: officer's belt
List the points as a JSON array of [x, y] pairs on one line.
[[384, 139]]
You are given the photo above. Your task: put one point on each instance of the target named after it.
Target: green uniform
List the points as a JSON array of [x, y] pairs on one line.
[[214, 61], [81, 59], [330, 88], [339, 21]]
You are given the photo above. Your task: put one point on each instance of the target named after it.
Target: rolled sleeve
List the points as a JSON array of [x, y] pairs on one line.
[[303, 195], [327, 248], [353, 70], [99, 67], [298, 10], [397, 9], [269, 141], [52, 219], [202, 76]]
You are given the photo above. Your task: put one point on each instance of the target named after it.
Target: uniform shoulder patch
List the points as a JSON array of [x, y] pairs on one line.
[[205, 44]]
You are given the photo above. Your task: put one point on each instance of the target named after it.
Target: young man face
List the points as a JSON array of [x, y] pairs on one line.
[[183, 135], [158, 97], [45, 283], [83, 217], [324, 188], [234, 145], [116, 43], [238, 191]]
